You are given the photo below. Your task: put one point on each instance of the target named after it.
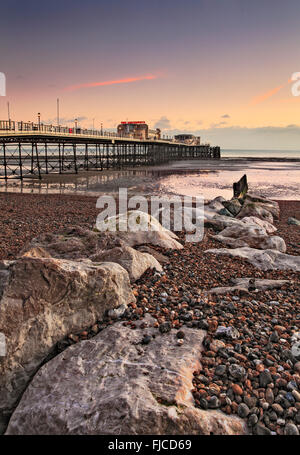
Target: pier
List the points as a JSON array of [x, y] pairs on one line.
[[28, 150]]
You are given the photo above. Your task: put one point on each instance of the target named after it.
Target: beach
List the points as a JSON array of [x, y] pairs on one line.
[[249, 373], [207, 178]]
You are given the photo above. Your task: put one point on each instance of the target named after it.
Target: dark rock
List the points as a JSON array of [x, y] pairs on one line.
[[165, 327], [265, 378], [291, 429], [240, 188], [237, 372], [243, 410], [261, 430]]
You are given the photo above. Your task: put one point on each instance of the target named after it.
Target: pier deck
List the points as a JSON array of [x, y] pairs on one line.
[[35, 153]]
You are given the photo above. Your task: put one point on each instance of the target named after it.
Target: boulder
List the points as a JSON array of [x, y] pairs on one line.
[[225, 212], [268, 227], [257, 210], [240, 188], [243, 230], [216, 204], [138, 228], [262, 242], [268, 204], [72, 243], [43, 301], [252, 235], [219, 222], [113, 384], [135, 262], [233, 206], [249, 284], [161, 258], [262, 259]]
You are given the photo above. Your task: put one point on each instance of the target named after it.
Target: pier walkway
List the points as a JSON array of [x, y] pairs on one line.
[[28, 150]]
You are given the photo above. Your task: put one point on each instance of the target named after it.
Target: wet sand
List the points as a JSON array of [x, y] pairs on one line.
[[275, 178]]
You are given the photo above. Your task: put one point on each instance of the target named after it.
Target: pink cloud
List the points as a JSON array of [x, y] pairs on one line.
[[119, 81], [264, 96]]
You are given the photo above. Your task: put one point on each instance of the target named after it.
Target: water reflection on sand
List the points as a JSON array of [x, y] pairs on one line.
[[276, 179]]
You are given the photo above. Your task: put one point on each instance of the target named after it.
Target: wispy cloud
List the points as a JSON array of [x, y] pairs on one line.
[[112, 82], [264, 96]]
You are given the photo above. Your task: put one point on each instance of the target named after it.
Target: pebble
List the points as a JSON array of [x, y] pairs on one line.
[[252, 420], [220, 370], [249, 328], [237, 371], [214, 402], [243, 410], [296, 395], [146, 339], [291, 430], [265, 378], [165, 327]]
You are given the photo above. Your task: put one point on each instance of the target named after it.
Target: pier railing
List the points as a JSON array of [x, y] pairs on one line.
[[29, 150], [10, 126]]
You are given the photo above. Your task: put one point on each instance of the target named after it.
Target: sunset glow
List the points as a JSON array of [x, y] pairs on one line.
[[224, 80]]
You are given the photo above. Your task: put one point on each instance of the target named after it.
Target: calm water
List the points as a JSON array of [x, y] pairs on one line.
[[273, 154]]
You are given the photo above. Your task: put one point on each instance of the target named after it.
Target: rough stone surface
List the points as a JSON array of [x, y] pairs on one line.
[[251, 235], [233, 206], [219, 222], [44, 300], [268, 227], [243, 284], [263, 259], [114, 384], [257, 210], [138, 228], [268, 204], [135, 262], [261, 242]]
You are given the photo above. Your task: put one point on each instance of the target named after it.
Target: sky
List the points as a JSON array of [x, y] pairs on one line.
[[220, 69]]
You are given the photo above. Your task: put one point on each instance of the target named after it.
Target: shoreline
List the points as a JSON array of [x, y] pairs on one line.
[[209, 178]]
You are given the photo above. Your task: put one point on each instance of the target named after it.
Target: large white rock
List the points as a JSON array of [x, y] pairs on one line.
[[239, 230], [135, 262], [268, 227], [262, 242], [44, 300], [112, 384], [137, 228], [263, 259], [252, 235]]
